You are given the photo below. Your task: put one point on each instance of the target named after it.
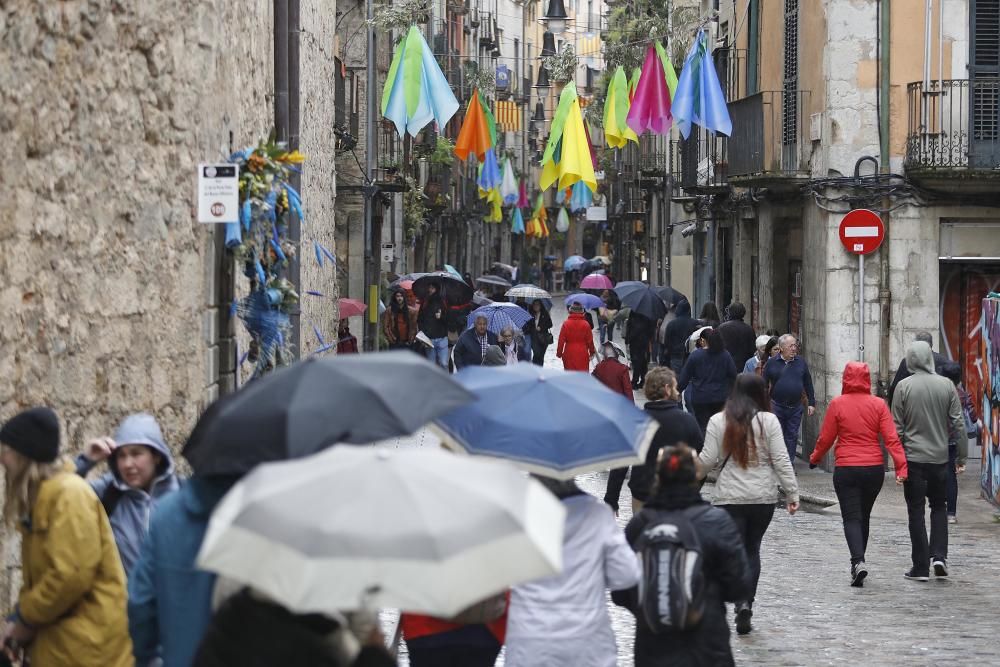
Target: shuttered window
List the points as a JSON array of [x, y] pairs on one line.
[[791, 73], [985, 72]]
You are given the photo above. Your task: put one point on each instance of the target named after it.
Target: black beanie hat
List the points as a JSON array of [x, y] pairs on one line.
[[33, 433]]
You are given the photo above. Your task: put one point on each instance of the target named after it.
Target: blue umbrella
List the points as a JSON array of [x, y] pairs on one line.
[[588, 301], [573, 262], [453, 271], [553, 422], [500, 314]]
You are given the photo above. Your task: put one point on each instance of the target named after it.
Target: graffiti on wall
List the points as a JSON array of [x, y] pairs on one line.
[[963, 288], [989, 403]]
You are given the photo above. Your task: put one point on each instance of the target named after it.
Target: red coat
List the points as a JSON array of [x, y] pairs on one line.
[[614, 375], [855, 419], [576, 343]]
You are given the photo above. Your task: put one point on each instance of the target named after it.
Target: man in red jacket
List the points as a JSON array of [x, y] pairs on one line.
[[576, 341], [855, 419]]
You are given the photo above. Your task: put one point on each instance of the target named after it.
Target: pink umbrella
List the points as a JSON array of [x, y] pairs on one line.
[[650, 108], [596, 281], [351, 308]]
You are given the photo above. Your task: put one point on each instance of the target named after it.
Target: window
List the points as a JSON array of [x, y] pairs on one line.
[[789, 130], [985, 74]]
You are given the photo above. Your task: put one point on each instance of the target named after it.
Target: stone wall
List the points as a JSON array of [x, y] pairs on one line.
[[107, 282]]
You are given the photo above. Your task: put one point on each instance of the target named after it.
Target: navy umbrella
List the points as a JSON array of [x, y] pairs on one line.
[[553, 422], [670, 296], [641, 298], [313, 404]]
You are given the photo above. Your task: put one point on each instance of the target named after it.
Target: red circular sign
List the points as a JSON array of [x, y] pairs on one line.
[[862, 231]]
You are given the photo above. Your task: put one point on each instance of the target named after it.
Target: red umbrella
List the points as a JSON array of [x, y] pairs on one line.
[[596, 281], [351, 308]]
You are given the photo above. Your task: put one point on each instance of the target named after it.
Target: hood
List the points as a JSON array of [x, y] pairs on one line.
[[857, 378], [919, 358], [684, 308], [142, 429], [576, 316]]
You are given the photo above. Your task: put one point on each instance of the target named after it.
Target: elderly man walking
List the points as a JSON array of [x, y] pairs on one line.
[[791, 390], [470, 350], [925, 407]]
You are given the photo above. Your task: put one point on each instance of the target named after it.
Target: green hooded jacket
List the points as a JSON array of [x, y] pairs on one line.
[[925, 406]]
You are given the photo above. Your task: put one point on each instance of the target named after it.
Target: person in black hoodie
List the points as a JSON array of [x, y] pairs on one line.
[[638, 334], [674, 352], [711, 372], [737, 335], [433, 322], [538, 331], [724, 567]]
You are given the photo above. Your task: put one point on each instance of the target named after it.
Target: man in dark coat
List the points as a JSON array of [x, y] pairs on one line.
[[674, 351], [903, 372], [638, 335], [737, 335], [470, 350]]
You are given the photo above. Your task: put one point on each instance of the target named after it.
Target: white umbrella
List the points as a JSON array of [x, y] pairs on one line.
[[366, 527]]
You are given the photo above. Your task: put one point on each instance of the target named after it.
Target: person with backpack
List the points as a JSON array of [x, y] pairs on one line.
[[680, 610], [746, 443], [140, 472], [563, 621]]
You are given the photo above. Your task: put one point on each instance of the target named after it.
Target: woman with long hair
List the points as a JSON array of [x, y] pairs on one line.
[[538, 331], [710, 371], [745, 442], [855, 420], [71, 608], [710, 315], [399, 322]]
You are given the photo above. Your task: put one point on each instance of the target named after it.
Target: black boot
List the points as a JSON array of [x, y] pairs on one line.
[[744, 613]]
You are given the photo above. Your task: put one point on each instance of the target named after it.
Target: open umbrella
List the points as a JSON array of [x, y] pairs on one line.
[[573, 262], [421, 530], [351, 307], [500, 314], [452, 289], [554, 422], [310, 405], [641, 299], [481, 300], [453, 271], [596, 281], [416, 90], [588, 301], [496, 281], [529, 293], [670, 296], [506, 269], [603, 259], [407, 276]]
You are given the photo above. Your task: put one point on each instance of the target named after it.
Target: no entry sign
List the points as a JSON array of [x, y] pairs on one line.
[[862, 231]]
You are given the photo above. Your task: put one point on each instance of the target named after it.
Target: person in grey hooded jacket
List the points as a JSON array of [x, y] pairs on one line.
[[924, 407], [141, 471]]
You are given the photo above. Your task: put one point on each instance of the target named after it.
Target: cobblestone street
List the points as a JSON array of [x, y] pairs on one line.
[[807, 613]]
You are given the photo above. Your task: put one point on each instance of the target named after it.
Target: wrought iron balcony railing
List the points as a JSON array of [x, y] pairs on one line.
[[768, 136], [953, 124]]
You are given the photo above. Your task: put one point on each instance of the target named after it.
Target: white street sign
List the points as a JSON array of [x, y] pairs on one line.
[[388, 252], [218, 193]]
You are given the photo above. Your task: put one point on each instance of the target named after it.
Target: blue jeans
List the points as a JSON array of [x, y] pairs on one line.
[[607, 331], [439, 352], [791, 420]]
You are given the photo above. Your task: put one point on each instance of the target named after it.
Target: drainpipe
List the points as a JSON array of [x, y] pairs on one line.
[[884, 294], [294, 130], [371, 269]]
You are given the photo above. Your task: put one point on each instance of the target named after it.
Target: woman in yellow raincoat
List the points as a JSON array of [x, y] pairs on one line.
[[71, 608]]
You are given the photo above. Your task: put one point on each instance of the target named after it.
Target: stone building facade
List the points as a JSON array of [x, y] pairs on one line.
[[110, 288]]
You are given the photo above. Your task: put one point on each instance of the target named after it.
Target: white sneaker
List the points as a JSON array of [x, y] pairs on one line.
[[940, 567]]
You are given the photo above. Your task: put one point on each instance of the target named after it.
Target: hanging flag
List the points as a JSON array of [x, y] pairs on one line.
[[582, 197], [508, 115], [562, 221], [416, 90], [567, 156], [522, 197], [489, 171], [516, 221], [616, 103], [699, 97], [668, 69], [474, 137], [508, 184], [650, 110]]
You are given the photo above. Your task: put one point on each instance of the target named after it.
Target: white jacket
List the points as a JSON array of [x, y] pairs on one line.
[[563, 621], [758, 483]]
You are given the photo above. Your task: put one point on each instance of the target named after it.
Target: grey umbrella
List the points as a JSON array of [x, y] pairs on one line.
[[315, 403], [493, 280]]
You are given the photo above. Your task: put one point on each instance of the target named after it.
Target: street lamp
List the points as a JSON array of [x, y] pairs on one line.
[[538, 120], [548, 44], [556, 18], [543, 85]]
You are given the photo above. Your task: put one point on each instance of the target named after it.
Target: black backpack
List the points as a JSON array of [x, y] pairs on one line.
[[672, 585]]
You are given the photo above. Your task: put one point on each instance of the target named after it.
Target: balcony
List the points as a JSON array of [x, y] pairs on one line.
[[953, 137], [652, 156], [766, 149], [700, 164]]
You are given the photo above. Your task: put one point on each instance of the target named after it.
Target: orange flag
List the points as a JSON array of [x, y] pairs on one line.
[[474, 137]]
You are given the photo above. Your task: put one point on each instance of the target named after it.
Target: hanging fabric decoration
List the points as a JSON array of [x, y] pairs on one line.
[[668, 69], [616, 106], [567, 156], [650, 110], [699, 97], [416, 90], [474, 137], [516, 221], [489, 171], [508, 184], [562, 221], [581, 199], [522, 197]]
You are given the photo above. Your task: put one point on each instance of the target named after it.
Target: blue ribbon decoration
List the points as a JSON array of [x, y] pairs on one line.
[[233, 235]]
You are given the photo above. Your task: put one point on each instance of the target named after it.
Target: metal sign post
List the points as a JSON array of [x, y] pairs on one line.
[[861, 232]]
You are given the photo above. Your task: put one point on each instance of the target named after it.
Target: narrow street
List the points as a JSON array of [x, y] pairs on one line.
[[807, 614]]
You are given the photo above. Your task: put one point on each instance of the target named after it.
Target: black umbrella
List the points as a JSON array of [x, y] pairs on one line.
[[641, 298], [496, 281], [452, 289], [670, 296], [316, 403]]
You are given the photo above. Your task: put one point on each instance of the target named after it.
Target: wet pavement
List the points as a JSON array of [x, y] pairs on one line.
[[806, 612]]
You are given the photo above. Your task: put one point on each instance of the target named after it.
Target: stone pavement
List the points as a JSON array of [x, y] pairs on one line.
[[806, 612]]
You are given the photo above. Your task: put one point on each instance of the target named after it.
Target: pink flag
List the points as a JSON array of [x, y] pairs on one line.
[[522, 198], [650, 108]]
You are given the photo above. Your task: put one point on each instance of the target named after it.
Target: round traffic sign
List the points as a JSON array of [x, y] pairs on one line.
[[862, 231]]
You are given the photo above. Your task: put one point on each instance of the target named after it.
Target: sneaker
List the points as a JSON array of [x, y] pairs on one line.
[[743, 615], [952, 518], [940, 566], [858, 574], [909, 574]]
